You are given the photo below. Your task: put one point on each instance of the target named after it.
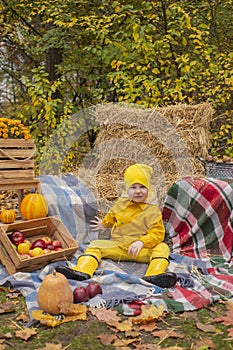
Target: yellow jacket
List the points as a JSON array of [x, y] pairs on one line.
[[135, 221]]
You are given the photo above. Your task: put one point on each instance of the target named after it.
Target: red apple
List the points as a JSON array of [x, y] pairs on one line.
[[58, 248], [93, 289], [50, 247], [39, 243], [56, 243], [80, 295], [47, 240], [17, 237]]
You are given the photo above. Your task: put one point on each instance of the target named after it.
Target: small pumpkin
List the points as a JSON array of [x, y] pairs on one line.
[[8, 216], [54, 289], [34, 206]]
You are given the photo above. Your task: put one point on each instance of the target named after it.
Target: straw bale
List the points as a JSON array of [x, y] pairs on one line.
[[170, 139]]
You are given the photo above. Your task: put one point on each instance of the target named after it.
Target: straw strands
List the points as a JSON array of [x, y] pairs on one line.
[[170, 139]]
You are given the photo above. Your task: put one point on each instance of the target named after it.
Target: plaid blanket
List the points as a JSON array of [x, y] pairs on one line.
[[203, 276], [198, 217], [76, 205]]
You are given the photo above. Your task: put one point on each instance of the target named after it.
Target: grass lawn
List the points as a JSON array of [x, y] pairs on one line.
[[193, 330]]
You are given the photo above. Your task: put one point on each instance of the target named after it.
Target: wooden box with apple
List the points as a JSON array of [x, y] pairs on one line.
[[30, 245]]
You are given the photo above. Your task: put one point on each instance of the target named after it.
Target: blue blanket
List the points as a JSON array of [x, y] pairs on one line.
[[200, 282], [73, 202]]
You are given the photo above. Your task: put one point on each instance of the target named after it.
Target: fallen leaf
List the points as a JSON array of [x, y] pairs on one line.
[[132, 334], [2, 346], [226, 320], [70, 309], [51, 321], [25, 333], [164, 334], [229, 305], [45, 319], [149, 313], [23, 317], [121, 326], [5, 336], [7, 307], [204, 343], [147, 347], [51, 346], [148, 327], [109, 316], [206, 327], [230, 332], [173, 348], [107, 339], [123, 342]]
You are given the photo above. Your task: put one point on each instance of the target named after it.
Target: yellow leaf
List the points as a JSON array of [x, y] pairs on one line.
[[70, 309], [149, 313], [52, 321], [26, 333], [184, 41], [51, 346], [124, 326]]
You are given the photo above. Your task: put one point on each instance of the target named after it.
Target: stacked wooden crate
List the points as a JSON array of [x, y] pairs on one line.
[[17, 166]]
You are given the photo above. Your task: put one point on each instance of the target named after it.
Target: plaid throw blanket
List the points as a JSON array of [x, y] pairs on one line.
[[198, 216], [76, 205], [198, 219]]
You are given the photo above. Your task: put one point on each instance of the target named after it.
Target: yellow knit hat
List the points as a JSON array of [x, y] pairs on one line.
[[138, 173]]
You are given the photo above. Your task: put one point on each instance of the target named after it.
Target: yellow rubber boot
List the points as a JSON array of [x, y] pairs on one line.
[[157, 266], [86, 266], [156, 274]]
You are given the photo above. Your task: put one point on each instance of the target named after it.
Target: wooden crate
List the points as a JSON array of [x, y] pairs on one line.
[[35, 229], [17, 159]]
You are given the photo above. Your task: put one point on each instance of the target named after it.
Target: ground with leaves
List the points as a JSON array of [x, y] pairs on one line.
[[209, 328]]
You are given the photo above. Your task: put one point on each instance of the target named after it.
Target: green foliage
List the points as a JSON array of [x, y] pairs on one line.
[[59, 57], [43, 112], [222, 139]]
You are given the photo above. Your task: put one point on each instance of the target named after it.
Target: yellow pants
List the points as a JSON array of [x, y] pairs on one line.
[[111, 250], [157, 257]]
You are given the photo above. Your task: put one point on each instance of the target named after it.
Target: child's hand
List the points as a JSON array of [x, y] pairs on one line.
[[135, 248], [97, 224]]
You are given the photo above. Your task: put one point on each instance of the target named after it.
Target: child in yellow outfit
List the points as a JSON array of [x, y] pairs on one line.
[[137, 233]]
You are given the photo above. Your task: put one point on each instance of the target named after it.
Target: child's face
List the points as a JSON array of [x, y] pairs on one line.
[[138, 193]]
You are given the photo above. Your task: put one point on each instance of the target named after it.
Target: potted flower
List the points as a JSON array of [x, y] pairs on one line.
[[13, 129], [17, 150]]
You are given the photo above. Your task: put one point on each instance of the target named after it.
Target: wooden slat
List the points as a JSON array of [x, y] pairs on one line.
[[11, 184], [12, 164], [19, 167], [5, 143], [17, 174], [7, 261], [16, 153]]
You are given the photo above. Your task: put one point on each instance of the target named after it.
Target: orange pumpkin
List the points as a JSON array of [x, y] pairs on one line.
[[54, 289], [8, 216], [34, 206]]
